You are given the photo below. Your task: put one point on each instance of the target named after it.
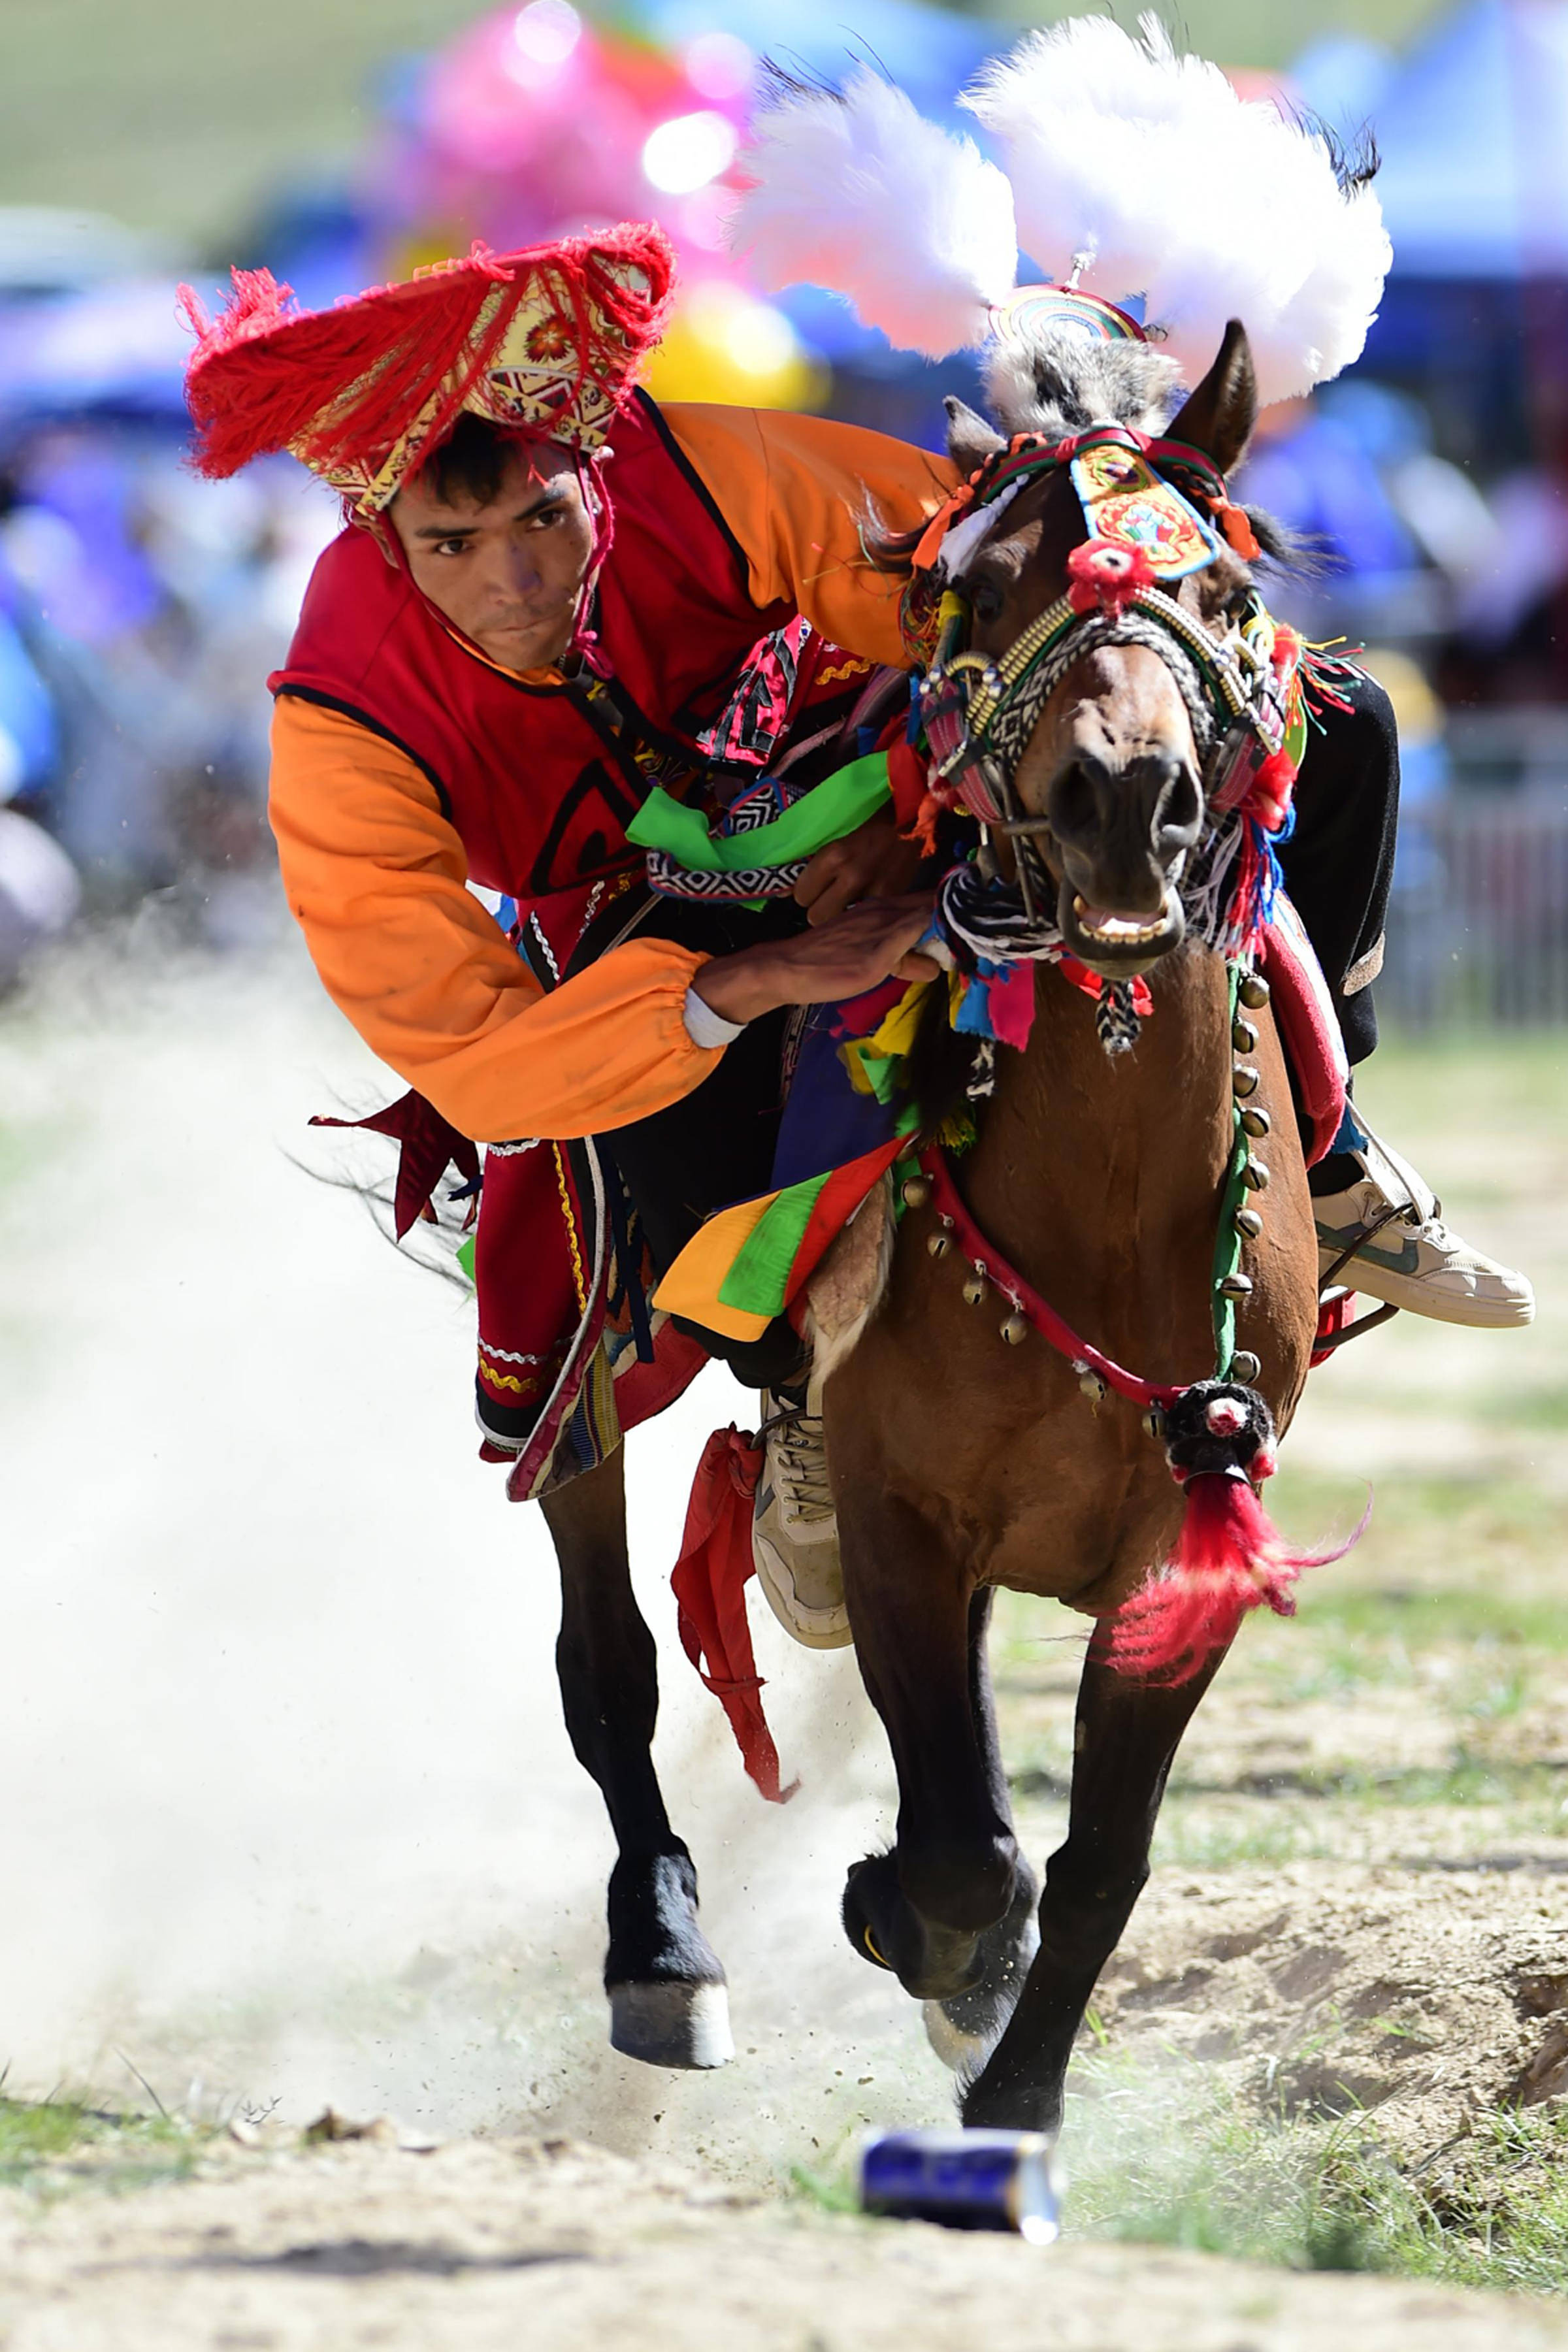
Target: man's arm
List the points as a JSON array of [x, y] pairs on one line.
[[374, 874], [375, 877]]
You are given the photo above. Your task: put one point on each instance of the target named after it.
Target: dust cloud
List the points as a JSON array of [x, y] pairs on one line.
[[290, 1815]]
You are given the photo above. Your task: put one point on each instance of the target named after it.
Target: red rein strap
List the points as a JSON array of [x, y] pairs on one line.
[[948, 1205]]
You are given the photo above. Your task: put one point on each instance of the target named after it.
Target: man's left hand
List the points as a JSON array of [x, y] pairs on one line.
[[872, 862]]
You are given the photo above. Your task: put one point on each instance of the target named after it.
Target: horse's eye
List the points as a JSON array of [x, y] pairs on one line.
[[986, 599]]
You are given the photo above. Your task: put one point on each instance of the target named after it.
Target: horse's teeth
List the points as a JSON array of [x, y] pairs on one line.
[[1116, 930]]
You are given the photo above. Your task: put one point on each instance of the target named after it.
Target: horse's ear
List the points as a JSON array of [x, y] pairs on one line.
[[970, 440], [1218, 417]]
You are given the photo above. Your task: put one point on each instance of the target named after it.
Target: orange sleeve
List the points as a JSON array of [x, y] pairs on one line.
[[792, 490], [376, 876]]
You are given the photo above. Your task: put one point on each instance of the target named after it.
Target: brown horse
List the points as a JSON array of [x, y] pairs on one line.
[[960, 1463]]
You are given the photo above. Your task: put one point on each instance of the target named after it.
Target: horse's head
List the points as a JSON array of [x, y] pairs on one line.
[[1109, 783]]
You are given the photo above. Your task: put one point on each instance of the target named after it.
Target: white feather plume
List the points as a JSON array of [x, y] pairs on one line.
[[1210, 205], [861, 193]]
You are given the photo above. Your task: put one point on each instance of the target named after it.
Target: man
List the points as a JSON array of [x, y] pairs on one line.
[[515, 636]]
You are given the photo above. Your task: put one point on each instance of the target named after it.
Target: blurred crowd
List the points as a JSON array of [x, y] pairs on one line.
[[141, 610]]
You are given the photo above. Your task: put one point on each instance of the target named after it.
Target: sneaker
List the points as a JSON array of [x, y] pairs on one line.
[[795, 1531], [1408, 1257]]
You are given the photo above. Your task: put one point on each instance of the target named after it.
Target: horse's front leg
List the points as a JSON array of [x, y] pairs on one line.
[[666, 1986], [919, 1627], [1126, 1735]]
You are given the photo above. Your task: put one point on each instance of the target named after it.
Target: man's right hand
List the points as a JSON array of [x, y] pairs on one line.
[[868, 943]]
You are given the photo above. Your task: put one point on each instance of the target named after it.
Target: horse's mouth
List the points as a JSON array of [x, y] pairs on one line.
[[1118, 945]]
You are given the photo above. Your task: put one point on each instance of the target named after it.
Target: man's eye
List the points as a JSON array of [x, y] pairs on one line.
[[451, 547], [548, 518]]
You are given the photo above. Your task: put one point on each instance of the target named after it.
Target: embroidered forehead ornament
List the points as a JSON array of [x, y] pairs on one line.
[[547, 341]]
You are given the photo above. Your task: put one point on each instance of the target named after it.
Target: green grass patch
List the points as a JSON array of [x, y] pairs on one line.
[[51, 2146], [1170, 2160]]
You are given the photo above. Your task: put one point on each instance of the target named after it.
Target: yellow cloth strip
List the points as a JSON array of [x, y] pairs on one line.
[[691, 1286]]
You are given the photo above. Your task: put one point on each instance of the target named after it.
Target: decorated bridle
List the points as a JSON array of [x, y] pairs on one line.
[[1138, 493]]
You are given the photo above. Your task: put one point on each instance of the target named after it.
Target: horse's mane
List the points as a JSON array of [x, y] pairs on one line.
[[1058, 385]]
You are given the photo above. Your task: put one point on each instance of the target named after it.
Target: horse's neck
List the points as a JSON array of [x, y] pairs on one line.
[[1100, 1176]]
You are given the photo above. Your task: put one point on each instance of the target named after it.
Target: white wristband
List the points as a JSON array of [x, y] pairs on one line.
[[705, 1027]]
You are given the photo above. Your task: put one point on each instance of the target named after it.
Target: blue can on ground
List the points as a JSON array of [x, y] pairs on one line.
[[966, 2180]]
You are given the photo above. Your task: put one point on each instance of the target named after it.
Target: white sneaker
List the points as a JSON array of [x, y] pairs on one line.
[[1409, 1257], [795, 1531]]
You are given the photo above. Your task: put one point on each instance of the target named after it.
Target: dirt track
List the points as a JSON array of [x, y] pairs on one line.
[[302, 1826], [499, 2245]]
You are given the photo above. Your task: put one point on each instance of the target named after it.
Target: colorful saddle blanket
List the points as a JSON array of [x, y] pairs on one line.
[[845, 1123]]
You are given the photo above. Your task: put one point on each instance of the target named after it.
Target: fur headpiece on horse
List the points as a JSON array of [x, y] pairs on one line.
[[547, 341], [1133, 170]]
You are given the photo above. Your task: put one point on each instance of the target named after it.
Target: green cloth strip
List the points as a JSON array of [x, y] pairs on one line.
[[1228, 1240], [757, 1279], [826, 813]]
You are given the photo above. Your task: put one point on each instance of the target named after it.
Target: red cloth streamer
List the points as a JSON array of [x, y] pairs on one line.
[[710, 1586], [1229, 1557], [429, 1146]]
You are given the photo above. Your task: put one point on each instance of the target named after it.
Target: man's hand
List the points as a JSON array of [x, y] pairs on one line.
[[872, 862], [839, 959]]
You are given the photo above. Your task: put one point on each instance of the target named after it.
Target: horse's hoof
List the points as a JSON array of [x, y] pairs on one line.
[[964, 2029], [671, 2024]]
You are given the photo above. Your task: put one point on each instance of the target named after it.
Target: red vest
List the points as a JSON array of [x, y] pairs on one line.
[[540, 780]]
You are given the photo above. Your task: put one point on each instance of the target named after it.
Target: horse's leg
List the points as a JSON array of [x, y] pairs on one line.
[[923, 1909], [1126, 1736], [667, 2002]]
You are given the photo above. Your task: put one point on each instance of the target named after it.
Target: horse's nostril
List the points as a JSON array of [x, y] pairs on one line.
[[1181, 806], [1075, 804]]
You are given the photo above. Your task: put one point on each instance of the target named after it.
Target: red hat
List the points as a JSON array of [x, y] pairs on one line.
[[547, 341]]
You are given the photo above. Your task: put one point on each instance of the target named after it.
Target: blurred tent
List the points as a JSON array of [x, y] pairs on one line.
[[1473, 127], [110, 352]]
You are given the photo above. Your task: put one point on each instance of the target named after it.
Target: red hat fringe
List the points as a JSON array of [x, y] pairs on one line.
[[340, 387]]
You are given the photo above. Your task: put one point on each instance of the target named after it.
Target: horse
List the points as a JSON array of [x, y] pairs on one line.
[[960, 1462]]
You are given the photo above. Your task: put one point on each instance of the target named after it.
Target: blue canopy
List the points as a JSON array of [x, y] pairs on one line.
[[1474, 131]]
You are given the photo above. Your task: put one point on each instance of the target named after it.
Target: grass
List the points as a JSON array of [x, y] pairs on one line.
[[49, 2146], [1160, 2159]]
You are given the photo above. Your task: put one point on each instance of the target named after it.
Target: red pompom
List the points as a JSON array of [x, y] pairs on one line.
[[1108, 573], [1269, 794], [1229, 1557]]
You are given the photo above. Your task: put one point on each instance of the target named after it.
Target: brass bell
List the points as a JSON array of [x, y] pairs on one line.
[[1243, 1036], [1244, 1366], [1254, 990], [1255, 1122], [1093, 1387], [1244, 1081], [1255, 1175], [1249, 1223], [1015, 1329], [917, 1191], [939, 1244], [1235, 1286], [1155, 1422], [976, 1288]]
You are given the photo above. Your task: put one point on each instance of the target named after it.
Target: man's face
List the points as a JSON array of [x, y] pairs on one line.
[[507, 573]]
